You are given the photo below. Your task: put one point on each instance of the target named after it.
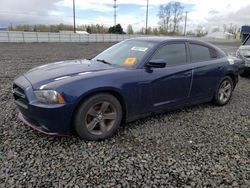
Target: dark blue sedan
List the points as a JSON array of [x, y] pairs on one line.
[[130, 80]]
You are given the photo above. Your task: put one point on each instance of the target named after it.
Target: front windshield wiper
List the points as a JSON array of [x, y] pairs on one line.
[[104, 61]]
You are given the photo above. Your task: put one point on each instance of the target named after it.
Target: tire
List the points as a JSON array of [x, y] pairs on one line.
[[224, 92], [98, 117]]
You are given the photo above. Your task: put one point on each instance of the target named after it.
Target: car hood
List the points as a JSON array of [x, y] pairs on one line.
[[63, 70]]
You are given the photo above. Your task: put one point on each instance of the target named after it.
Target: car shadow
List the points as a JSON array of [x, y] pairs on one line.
[[124, 129], [246, 74], [168, 113]]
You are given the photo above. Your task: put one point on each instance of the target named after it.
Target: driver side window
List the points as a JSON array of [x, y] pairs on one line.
[[172, 54]]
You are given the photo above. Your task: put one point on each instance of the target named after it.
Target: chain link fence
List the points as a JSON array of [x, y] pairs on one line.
[[11, 36], [26, 37]]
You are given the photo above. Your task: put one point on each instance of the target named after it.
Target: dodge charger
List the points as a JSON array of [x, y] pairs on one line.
[[130, 80]]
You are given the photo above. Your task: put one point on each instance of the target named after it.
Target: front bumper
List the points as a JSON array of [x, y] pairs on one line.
[[37, 127], [54, 120]]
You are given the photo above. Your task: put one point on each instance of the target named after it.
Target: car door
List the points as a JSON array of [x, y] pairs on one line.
[[207, 70], [170, 85]]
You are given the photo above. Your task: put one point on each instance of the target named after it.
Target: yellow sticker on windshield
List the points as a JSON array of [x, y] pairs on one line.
[[130, 61]]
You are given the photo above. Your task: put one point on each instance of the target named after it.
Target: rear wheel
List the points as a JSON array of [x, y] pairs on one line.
[[224, 92], [98, 117]]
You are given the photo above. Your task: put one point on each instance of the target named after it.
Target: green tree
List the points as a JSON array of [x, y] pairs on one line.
[[62, 27], [161, 31], [117, 29], [149, 31], [89, 29], [130, 30], [155, 31]]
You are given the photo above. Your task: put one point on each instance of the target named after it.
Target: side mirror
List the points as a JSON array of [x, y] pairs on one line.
[[156, 63]]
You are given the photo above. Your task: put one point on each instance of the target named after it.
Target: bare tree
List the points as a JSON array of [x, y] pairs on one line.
[[170, 16], [232, 29], [200, 31], [178, 14], [165, 14], [215, 29], [224, 28]]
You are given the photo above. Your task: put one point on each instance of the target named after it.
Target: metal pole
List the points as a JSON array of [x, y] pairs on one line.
[[74, 15], [115, 12], [8, 34], [147, 19], [185, 28], [23, 36]]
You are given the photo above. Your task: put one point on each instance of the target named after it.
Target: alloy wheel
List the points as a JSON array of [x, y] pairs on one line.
[[100, 118], [225, 91]]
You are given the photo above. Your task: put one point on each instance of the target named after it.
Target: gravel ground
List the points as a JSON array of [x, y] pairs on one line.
[[200, 146]]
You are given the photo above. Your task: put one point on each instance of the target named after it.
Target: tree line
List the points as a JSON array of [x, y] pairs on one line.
[[93, 28], [170, 17], [100, 29]]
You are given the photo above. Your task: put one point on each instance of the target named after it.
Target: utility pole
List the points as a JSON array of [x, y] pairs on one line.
[[115, 12], [185, 28], [147, 19], [11, 27], [74, 15]]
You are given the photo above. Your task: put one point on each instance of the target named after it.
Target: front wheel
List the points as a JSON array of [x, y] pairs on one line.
[[98, 117], [224, 92]]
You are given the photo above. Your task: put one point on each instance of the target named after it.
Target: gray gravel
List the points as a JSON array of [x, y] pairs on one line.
[[200, 146]]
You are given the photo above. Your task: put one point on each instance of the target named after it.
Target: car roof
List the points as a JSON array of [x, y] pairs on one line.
[[165, 39], [161, 40]]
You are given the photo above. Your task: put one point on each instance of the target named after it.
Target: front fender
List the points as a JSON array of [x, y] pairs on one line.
[[125, 84]]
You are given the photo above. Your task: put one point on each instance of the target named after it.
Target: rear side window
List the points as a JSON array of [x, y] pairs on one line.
[[173, 54], [247, 41], [201, 53]]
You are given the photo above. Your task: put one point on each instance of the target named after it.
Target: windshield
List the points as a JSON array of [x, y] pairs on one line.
[[126, 53]]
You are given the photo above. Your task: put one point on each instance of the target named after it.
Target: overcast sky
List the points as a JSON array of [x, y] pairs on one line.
[[207, 13]]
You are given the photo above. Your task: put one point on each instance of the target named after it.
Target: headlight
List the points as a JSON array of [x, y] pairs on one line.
[[49, 97]]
